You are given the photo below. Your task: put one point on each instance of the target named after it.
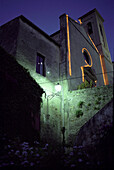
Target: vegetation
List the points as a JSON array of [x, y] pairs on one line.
[[79, 113], [97, 102], [20, 97], [96, 108], [89, 104], [85, 84], [20, 154], [80, 104]]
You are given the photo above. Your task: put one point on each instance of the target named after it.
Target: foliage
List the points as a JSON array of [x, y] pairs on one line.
[[85, 84], [20, 97], [89, 104], [79, 113], [98, 101], [99, 98], [96, 108], [80, 104]]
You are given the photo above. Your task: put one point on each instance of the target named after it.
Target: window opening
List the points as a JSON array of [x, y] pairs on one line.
[[40, 67], [90, 30], [86, 57]]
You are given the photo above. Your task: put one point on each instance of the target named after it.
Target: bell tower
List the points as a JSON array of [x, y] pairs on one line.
[[93, 25]]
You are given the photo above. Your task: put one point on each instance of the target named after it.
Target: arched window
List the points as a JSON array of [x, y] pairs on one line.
[[89, 26], [86, 57]]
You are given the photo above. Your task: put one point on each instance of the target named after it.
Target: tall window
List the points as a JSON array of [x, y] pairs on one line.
[[40, 67], [101, 31], [90, 30], [86, 57]]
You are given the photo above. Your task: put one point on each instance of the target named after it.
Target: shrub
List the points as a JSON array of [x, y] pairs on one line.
[[85, 84], [97, 102], [91, 84], [99, 98], [80, 104], [96, 108], [89, 104], [79, 113]]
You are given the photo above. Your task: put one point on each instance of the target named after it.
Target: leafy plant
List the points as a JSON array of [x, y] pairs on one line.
[[80, 104], [96, 108], [85, 84], [89, 104], [79, 113], [99, 98], [91, 84], [97, 102]]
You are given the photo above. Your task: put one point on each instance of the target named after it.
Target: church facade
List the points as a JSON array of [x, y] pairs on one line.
[[77, 52]]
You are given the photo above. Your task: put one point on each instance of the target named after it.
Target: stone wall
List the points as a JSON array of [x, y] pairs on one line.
[[24, 41], [32, 42], [8, 36], [97, 127], [89, 101]]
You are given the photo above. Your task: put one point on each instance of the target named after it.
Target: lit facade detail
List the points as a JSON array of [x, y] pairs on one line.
[[87, 64], [104, 71], [58, 87], [93, 44], [95, 82], [80, 21], [68, 43]]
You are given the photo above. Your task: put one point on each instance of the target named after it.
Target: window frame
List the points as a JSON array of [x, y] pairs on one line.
[[89, 28], [40, 68]]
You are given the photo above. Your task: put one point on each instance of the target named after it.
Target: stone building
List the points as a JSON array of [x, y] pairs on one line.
[[77, 52]]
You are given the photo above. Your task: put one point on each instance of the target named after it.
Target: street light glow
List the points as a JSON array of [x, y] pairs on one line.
[[58, 87]]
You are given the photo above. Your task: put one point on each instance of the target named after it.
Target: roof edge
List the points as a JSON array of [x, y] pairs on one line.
[[24, 19], [90, 12], [55, 33], [38, 29]]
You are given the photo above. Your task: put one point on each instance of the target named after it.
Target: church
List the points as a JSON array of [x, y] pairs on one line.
[[78, 51]]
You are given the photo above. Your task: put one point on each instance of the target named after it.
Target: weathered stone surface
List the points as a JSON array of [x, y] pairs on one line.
[[95, 129], [90, 99]]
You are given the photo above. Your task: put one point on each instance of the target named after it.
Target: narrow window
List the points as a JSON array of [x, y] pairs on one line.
[[90, 30], [101, 30], [86, 57], [40, 67]]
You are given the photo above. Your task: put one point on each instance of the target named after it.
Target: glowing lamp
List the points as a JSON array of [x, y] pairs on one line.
[[58, 87]]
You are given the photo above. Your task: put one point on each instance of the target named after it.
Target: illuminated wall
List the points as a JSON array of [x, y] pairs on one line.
[[24, 40], [98, 36], [64, 62], [76, 39]]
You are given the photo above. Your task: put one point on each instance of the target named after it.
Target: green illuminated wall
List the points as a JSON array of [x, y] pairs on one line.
[[92, 101]]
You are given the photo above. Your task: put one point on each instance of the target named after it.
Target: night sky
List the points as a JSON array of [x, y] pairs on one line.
[[45, 13]]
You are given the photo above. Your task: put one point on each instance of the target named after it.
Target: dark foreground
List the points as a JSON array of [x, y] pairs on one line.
[[18, 154]]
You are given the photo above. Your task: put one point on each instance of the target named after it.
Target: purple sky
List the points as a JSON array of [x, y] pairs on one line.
[[45, 13]]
